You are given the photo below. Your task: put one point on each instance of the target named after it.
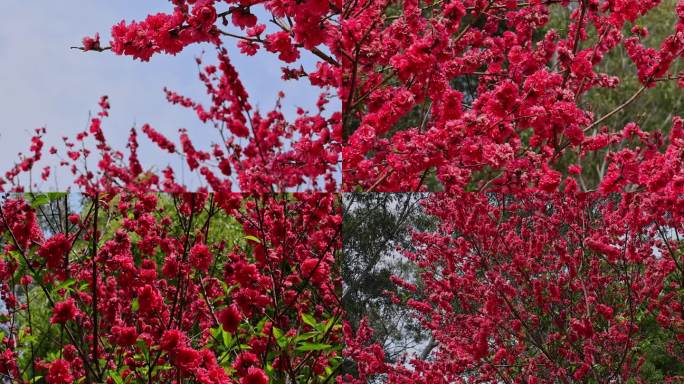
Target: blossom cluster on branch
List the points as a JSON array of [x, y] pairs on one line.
[[254, 150], [499, 94]]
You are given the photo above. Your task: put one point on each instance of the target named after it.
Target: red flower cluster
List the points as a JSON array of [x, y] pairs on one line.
[[60, 372], [168, 33], [230, 318], [539, 287], [54, 250], [151, 284], [64, 311], [500, 103], [254, 151], [200, 257]]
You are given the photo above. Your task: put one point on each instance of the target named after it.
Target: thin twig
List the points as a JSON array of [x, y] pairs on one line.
[[616, 110]]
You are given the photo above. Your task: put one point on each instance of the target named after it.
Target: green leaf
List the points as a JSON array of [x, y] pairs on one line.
[[116, 377], [226, 289], [269, 370], [261, 324], [142, 345], [310, 320], [280, 337], [328, 324], [52, 196], [277, 333], [66, 285], [253, 238], [228, 340], [313, 347], [38, 200], [135, 305], [306, 336]]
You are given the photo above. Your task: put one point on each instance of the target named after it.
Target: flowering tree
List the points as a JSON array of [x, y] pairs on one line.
[[542, 288], [147, 281], [494, 96], [254, 150], [136, 286], [534, 280], [188, 287]]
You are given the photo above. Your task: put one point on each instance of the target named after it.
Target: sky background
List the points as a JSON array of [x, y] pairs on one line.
[[45, 83]]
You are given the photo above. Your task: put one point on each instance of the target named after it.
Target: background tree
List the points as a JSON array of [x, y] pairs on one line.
[[375, 227]]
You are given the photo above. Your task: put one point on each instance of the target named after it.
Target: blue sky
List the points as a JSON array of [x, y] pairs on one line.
[[44, 83]]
